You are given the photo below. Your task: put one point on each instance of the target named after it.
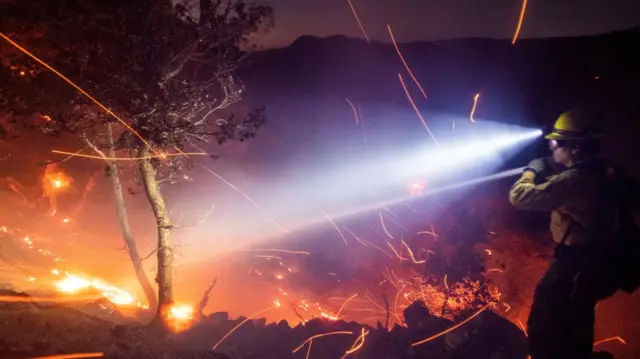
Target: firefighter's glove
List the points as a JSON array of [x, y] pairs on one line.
[[539, 166]]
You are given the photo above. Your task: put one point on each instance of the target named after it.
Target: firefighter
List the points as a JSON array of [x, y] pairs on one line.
[[569, 185]]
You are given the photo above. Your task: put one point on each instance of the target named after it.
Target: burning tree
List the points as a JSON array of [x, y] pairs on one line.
[[165, 78]]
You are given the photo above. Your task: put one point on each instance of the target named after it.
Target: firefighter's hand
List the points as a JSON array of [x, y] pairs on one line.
[[539, 166]]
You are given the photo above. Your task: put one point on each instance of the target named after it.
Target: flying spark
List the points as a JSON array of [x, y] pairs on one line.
[[276, 250], [396, 252], [609, 340], [355, 14], [161, 155], [255, 204], [415, 108], [523, 328], [309, 350], [357, 344], [450, 329], [356, 237], [404, 62], [355, 113], [72, 356], [240, 324], [384, 228], [343, 332], [26, 52], [345, 304], [473, 109], [520, 19], [335, 226], [413, 258]]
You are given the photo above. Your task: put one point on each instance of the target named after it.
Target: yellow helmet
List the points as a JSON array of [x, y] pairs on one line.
[[575, 125]]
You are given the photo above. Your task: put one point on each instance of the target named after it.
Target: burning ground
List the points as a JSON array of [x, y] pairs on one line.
[[385, 280]]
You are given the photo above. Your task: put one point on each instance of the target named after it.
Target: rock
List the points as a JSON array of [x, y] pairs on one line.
[[218, 317]]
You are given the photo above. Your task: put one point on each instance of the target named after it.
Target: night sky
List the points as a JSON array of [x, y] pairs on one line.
[[445, 19]]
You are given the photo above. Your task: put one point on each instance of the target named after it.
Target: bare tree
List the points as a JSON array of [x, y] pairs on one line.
[[167, 71], [121, 210]]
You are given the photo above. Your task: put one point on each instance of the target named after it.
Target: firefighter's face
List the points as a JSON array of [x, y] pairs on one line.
[[562, 152]]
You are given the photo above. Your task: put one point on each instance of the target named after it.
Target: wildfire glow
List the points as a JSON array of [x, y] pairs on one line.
[[67, 80], [74, 287]]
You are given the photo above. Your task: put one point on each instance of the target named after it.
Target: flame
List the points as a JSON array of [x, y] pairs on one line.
[[180, 317], [57, 181], [73, 284]]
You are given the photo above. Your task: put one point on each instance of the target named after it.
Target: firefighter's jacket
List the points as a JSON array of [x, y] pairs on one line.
[[581, 210]]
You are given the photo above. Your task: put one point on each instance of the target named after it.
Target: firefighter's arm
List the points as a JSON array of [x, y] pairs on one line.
[[547, 196]]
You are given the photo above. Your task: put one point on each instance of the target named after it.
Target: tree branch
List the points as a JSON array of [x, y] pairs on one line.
[[205, 299], [199, 220]]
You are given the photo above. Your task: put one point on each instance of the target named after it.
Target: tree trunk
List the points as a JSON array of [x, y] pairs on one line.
[[123, 218], [163, 223]]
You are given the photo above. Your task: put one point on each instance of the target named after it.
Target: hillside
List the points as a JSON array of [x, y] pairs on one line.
[[530, 82]]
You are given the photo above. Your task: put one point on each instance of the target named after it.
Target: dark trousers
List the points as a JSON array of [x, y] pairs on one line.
[[562, 317]]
